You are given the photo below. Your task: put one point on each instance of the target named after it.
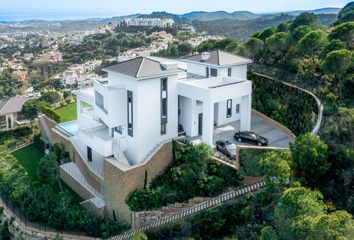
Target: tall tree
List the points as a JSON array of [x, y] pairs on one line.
[[338, 62], [48, 169], [310, 158], [30, 110], [254, 45], [305, 18], [276, 167], [311, 44], [344, 32], [294, 205], [277, 43]]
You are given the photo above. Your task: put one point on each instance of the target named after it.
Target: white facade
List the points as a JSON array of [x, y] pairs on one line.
[[143, 102], [150, 22]]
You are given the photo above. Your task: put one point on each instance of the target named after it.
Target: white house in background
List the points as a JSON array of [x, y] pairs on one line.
[[145, 101], [10, 112]]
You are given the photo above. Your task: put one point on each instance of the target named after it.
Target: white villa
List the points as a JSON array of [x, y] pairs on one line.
[[126, 121], [146, 101]]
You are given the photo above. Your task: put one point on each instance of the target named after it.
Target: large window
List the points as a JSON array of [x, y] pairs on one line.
[[99, 101], [130, 112], [213, 72], [2, 122], [164, 103], [229, 108]]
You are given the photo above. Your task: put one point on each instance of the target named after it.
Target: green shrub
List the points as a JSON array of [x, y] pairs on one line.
[[50, 97], [39, 202], [289, 106], [190, 175], [49, 112]]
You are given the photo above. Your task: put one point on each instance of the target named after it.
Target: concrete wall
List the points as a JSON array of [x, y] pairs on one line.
[[120, 183], [238, 71], [74, 185], [222, 112]]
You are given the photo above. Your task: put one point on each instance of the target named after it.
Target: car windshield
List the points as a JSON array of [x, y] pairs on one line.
[[230, 146]]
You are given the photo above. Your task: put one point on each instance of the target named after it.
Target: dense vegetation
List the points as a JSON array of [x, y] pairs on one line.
[[289, 106], [40, 202], [102, 46], [9, 86], [192, 174], [242, 30], [284, 209]]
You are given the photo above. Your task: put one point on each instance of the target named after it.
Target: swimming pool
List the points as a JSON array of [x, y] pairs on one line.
[[70, 128]]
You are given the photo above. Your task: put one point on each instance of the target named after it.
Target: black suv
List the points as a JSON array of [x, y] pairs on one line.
[[251, 137]]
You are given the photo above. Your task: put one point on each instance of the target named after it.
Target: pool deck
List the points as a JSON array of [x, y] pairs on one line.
[[69, 128]]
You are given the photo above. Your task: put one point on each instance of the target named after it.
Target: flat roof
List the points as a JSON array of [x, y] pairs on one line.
[[214, 82]]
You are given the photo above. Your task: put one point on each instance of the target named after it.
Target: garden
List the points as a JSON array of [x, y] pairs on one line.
[[67, 113], [191, 174], [30, 181]]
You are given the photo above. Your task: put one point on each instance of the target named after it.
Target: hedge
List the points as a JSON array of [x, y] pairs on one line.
[[49, 112], [289, 106]]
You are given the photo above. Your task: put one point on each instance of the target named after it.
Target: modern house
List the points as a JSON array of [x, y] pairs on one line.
[[10, 112], [126, 121]]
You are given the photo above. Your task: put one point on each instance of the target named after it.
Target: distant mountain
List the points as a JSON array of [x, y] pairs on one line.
[[237, 15], [317, 11], [210, 16]]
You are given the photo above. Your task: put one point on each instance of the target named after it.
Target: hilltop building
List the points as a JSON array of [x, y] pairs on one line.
[[126, 122], [149, 22]]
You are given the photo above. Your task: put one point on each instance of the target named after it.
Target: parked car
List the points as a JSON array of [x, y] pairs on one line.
[[227, 148], [251, 137]]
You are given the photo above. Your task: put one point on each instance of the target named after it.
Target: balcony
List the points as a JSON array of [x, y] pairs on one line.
[[97, 137], [87, 95]]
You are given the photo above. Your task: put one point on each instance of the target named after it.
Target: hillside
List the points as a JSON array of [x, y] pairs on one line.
[[317, 11], [210, 16], [242, 30]]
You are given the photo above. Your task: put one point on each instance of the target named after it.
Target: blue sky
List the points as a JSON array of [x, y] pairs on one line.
[[123, 7]]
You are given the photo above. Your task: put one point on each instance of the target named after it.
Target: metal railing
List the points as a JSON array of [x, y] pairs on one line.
[[213, 202]]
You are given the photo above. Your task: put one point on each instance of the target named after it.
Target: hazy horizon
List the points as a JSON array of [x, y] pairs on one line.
[[17, 10]]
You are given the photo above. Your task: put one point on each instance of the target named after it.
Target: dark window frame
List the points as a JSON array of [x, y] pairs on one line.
[[228, 108], [238, 108], [89, 154], [164, 105], [213, 72], [130, 117]]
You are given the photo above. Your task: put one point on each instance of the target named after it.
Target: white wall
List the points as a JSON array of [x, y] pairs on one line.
[[149, 114], [237, 71], [222, 112]]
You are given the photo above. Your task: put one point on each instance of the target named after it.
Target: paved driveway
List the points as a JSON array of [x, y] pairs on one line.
[[276, 137]]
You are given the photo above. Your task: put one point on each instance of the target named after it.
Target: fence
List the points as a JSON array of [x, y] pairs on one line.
[[30, 229], [213, 202]]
